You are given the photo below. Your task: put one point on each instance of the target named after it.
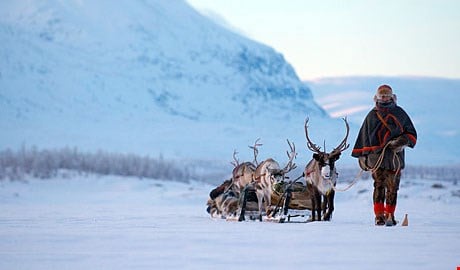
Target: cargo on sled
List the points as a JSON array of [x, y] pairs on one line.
[[290, 202]]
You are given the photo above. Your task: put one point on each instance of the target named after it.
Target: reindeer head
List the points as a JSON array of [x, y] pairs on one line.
[[278, 174], [326, 161]]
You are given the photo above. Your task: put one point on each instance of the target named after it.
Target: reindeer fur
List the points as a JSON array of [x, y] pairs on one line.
[[321, 178], [267, 173], [320, 175], [243, 174]]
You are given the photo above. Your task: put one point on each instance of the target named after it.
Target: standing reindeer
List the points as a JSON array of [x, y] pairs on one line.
[[321, 175], [242, 174], [267, 173]]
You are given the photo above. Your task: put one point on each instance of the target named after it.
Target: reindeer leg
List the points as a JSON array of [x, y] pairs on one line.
[[318, 204], [243, 205], [313, 208], [287, 201], [260, 203], [311, 190], [330, 203], [324, 204], [268, 204]]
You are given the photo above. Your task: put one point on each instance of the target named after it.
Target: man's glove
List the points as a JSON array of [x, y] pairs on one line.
[[398, 143], [362, 160]]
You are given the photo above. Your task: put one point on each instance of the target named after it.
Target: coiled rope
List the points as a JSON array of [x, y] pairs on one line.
[[373, 170]]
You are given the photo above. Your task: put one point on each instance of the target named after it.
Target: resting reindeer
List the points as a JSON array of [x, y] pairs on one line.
[[321, 174], [224, 200], [221, 200], [267, 173]]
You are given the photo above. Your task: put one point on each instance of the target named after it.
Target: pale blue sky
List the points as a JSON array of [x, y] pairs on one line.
[[353, 37]]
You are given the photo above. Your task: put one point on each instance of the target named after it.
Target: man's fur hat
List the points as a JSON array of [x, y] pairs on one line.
[[384, 90]]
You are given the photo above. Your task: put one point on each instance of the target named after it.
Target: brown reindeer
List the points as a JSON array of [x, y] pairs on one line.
[[224, 200], [321, 175], [242, 174], [221, 200], [267, 173]]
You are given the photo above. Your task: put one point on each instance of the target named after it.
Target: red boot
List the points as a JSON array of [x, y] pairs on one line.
[[390, 215], [379, 210]]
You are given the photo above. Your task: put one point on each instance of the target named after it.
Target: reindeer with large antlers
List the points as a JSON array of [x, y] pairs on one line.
[[321, 175], [225, 200], [243, 172], [267, 173]]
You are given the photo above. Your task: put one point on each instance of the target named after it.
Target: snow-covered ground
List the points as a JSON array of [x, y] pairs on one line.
[[156, 78], [125, 223]]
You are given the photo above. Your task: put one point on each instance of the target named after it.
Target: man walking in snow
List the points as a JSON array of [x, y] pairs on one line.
[[386, 130]]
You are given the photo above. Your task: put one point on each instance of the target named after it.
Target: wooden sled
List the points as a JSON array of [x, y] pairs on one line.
[[290, 202]]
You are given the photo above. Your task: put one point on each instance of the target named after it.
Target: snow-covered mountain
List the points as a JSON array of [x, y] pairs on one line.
[[156, 77], [432, 104], [146, 77]]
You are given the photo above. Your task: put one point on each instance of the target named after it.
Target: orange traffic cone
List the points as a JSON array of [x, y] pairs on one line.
[[405, 221]]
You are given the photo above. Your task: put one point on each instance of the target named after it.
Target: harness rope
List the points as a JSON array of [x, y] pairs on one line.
[[357, 177], [373, 170], [377, 164], [381, 157]]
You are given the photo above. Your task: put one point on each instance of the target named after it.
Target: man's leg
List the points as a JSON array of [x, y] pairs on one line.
[[379, 196], [391, 196]]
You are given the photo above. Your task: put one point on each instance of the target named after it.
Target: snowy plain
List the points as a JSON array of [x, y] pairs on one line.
[[83, 84], [94, 222]]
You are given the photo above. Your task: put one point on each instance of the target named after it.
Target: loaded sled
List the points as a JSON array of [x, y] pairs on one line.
[[290, 202]]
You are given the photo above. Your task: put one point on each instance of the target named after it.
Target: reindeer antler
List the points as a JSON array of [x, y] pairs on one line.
[[313, 147], [256, 151], [343, 145], [236, 162], [291, 155]]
